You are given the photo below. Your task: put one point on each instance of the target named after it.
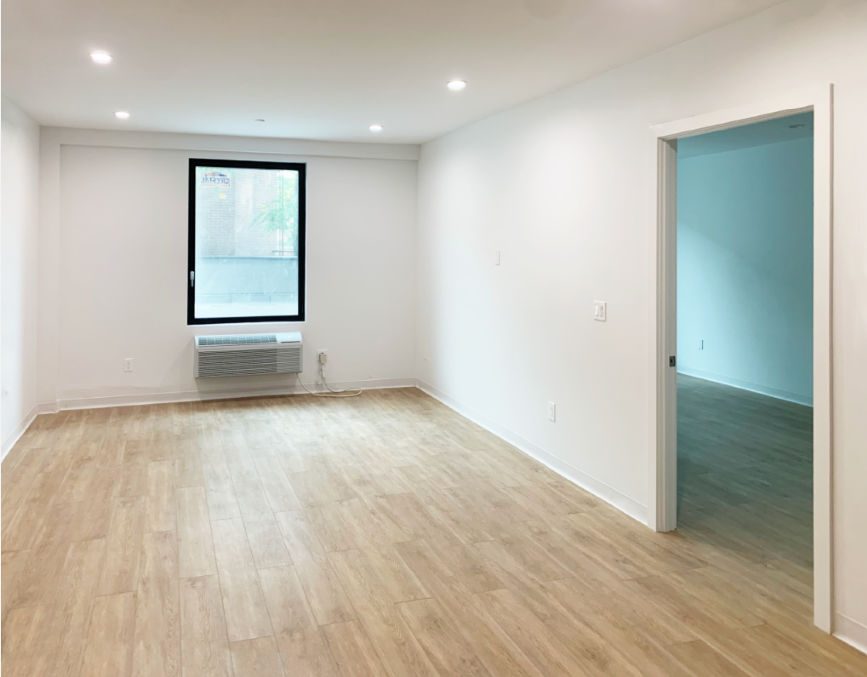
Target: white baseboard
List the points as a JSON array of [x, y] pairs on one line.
[[204, 395], [187, 396], [21, 428], [850, 631], [583, 480], [746, 385], [606, 493]]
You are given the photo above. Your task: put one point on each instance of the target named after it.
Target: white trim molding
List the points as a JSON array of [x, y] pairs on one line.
[[662, 392], [606, 493], [19, 430], [225, 394], [776, 393], [191, 396], [850, 631]]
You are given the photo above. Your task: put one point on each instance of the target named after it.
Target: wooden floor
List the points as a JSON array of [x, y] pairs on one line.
[[382, 535], [745, 474]]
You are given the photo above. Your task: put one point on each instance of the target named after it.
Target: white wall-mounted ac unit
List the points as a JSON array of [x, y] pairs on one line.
[[247, 355]]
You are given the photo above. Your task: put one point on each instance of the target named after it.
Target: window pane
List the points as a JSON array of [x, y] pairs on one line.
[[246, 242]]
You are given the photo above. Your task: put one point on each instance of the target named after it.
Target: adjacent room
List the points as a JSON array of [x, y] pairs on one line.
[[745, 342], [520, 338]]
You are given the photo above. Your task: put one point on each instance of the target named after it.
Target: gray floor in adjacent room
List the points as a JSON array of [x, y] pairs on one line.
[[745, 474]]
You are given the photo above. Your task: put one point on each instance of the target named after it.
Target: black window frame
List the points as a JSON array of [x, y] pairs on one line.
[[299, 167]]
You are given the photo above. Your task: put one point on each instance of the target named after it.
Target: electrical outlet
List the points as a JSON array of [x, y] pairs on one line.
[[600, 311], [552, 412], [323, 356], [701, 344], [127, 365], [497, 258]]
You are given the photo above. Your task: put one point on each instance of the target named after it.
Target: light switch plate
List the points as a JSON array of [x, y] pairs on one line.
[[600, 311], [497, 258], [552, 412]]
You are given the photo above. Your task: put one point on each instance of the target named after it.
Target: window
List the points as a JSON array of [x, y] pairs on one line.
[[246, 250]]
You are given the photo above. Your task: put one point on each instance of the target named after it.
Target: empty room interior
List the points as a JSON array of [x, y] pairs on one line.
[[389, 339], [745, 341]]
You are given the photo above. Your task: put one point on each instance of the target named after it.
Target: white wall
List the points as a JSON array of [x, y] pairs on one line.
[[20, 238], [745, 268], [563, 186], [119, 257]]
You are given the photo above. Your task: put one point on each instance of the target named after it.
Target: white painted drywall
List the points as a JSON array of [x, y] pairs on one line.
[[121, 255], [745, 267], [562, 187], [19, 246]]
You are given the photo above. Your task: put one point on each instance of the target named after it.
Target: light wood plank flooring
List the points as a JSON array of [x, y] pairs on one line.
[[377, 536]]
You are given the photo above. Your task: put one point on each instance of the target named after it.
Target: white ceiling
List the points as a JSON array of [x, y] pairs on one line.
[[324, 69]]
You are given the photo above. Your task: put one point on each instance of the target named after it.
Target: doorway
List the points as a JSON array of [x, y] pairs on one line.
[[744, 342], [663, 476]]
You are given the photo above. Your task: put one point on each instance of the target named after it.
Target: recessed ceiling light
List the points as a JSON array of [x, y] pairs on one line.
[[121, 114], [456, 85], [375, 128], [100, 57], [259, 120]]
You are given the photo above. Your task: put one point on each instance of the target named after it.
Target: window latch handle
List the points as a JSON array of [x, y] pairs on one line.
[[192, 278]]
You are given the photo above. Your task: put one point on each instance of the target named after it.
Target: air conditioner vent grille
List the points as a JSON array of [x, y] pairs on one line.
[[248, 355], [238, 340]]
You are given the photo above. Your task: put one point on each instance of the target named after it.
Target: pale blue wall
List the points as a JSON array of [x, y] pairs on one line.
[[745, 267]]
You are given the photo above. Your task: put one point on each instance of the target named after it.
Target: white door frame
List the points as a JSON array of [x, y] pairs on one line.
[[662, 497]]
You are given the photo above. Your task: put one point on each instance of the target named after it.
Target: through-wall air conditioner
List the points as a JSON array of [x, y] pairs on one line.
[[248, 355]]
